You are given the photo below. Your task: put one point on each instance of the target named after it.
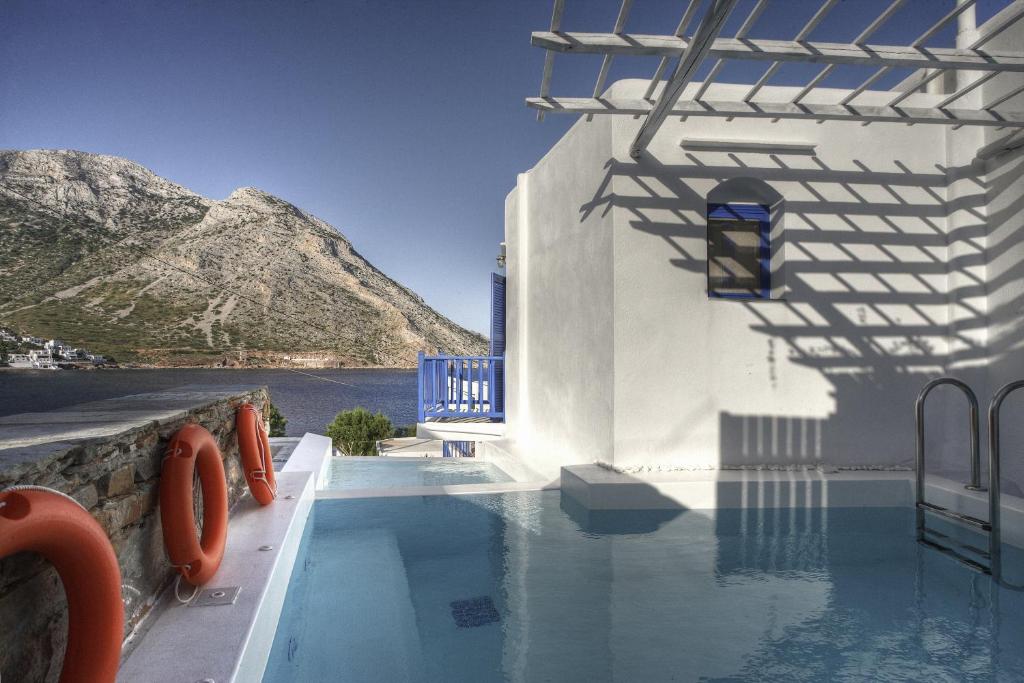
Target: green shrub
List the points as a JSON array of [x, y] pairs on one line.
[[277, 421], [408, 430], [356, 432]]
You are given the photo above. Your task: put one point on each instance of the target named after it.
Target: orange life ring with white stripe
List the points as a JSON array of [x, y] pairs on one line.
[[47, 522], [193, 448], [254, 446]]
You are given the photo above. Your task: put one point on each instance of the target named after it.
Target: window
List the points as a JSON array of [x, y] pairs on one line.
[[739, 251]]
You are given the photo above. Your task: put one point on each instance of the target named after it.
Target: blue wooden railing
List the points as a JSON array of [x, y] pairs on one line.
[[457, 449], [461, 386]]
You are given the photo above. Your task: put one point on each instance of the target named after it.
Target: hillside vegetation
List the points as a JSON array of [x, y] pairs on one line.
[[101, 252]]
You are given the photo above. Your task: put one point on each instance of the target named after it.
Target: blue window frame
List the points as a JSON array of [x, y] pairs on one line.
[[739, 251]]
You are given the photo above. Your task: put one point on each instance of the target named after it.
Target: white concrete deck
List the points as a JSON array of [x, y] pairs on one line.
[[461, 429]]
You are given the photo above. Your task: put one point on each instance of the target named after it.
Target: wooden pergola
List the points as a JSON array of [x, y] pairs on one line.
[[705, 42]]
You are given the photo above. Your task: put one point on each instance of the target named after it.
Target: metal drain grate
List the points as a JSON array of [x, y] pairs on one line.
[[475, 612]]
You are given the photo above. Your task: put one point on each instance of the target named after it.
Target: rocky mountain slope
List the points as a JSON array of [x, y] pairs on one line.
[[101, 252]]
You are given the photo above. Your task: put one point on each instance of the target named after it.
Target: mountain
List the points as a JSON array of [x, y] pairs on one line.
[[101, 252]]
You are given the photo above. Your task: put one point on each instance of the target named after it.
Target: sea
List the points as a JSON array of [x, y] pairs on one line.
[[309, 399]]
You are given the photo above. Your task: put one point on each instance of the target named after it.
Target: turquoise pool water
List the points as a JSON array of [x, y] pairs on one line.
[[388, 473], [528, 587]]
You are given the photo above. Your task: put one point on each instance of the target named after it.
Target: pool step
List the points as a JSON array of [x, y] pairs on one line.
[[364, 625], [950, 546], [955, 516]]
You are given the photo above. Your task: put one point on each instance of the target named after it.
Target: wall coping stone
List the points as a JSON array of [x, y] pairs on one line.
[[31, 441]]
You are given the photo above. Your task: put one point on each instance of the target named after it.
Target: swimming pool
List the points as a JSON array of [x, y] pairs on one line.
[[391, 472], [527, 586]]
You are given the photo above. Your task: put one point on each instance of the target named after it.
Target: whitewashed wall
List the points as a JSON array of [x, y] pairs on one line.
[[559, 307], [1004, 212], [826, 375], [883, 240]]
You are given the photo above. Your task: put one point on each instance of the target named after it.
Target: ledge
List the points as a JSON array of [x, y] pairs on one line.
[[599, 488], [467, 429], [30, 441], [312, 454], [232, 642]]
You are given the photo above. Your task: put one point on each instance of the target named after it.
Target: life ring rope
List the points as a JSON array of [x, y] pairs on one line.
[[32, 487]]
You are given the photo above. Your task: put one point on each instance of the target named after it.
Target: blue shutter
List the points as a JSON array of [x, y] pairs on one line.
[[497, 314], [498, 341]]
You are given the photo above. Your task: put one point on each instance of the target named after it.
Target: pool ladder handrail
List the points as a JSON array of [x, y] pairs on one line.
[[921, 505], [993, 526], [994, 510]]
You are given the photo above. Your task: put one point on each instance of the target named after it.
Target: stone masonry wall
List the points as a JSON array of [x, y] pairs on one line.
[[107, 455]]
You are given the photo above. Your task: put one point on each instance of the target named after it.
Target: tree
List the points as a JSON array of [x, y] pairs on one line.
[[356, 432], [277, 421], [406, 431], [4, 352]]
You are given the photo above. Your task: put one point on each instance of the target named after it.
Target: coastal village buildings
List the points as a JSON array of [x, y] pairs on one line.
[[47, 353]]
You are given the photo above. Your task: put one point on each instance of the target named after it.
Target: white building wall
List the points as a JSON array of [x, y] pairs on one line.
[[559, 307], [702, 382], [1004, 208], [900, 257]]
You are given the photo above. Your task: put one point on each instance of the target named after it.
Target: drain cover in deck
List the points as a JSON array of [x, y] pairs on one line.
[[475, 612]]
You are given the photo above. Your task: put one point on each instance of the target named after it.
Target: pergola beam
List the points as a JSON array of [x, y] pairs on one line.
[[695, 52], [784, 51], [912, 87], [783, 110], [691, 9], [741, 34], [861, 38], [620, 25], [811, 24], [549, 56]]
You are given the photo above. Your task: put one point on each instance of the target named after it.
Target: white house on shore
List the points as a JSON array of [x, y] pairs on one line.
[[768, 280]]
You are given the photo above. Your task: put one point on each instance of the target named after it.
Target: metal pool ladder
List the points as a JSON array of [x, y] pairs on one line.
[[990, 527], [923, 506]]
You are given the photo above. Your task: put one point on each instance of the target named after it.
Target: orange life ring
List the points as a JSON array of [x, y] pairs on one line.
[[255, 449], [193, 448], [47, 522]]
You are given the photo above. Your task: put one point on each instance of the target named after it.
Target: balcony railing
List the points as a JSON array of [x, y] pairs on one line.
[[461, 387]]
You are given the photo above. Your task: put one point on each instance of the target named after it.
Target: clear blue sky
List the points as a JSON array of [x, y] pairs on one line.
[[400, 123]]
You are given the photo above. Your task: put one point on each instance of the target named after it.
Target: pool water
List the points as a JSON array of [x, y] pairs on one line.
[[388, 472], [530, 587]]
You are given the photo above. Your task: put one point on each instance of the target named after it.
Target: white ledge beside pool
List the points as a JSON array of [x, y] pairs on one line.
[[232, 642], [600, 488]]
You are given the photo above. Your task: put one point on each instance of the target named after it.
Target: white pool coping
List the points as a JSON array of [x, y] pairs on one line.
[[445, 490], [311, 455], [232, 642]]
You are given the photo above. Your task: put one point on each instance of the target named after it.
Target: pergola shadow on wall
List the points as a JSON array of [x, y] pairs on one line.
[[870, 324], [870, 300]]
